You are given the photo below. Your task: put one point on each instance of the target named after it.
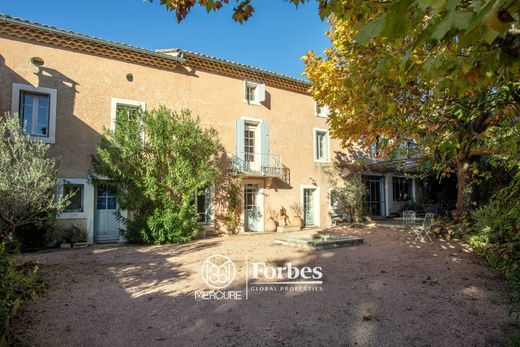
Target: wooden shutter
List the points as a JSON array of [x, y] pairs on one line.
[[264, 143]]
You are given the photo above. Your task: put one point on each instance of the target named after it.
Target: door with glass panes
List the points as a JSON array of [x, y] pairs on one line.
[[252, 208], [308, 206], [106, 223]]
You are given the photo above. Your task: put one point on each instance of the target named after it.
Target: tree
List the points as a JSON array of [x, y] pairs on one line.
[[441, 73], [159, 161], [28, 180], [454, 118], [428, 20]]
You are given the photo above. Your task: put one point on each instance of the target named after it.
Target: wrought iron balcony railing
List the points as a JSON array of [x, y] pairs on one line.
[[259, 164]]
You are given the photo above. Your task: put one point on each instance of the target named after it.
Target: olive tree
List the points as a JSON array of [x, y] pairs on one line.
[[28, 180]]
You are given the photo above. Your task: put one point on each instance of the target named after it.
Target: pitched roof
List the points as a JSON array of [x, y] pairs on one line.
[[166, 58]]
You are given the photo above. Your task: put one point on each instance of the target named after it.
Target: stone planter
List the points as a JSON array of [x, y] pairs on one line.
[[271, 225], [65, 245], [80, 245], [298, 221]]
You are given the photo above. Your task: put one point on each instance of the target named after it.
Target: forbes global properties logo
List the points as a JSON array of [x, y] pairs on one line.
[[218, 271]]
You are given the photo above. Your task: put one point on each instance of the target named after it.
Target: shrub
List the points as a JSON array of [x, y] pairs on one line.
[[28, 180], [349, 197], [496, 235], [18, 284], [159, 161]]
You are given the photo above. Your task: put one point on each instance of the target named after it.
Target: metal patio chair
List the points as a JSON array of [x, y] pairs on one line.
[[408, 219], [424, 231]]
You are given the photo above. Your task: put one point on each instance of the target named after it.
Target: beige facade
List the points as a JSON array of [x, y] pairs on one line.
[[89, 85]]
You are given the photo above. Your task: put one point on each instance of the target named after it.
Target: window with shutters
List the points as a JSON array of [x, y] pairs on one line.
[[254, 93], [321, 110]]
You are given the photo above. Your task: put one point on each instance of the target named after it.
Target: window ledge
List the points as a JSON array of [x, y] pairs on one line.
[[49, 140], [255, 103], [72, 215]]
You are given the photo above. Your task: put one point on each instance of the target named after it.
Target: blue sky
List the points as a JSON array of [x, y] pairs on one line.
[[274, 39]]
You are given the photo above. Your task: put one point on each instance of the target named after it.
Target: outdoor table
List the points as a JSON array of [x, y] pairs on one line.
[[415, 219]]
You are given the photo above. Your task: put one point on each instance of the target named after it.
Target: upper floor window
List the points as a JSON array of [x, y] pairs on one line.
[[36, 108], [321, 110], [376, 149], [126, 108], [254, 93], [250, 141], [321, 145]]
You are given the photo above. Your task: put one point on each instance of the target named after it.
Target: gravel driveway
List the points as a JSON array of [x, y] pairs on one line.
[[388, 291]]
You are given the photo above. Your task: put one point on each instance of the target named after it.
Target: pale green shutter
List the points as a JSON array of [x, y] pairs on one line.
[[264, 145], [239, 149]]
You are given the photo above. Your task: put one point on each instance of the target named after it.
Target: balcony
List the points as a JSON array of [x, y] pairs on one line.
[[259, 164]]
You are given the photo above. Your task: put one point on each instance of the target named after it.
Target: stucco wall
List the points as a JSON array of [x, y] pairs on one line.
[[86, 85]]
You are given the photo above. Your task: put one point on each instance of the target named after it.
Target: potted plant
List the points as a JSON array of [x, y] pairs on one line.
[[74, 237], [297, 210], [271, 224]]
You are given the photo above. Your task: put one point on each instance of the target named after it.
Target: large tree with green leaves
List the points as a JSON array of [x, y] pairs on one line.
[[159, 161], [406, 71], [440, 72], [28, 180]]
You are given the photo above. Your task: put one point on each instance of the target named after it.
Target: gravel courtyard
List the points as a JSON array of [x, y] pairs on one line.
[[388, 291]]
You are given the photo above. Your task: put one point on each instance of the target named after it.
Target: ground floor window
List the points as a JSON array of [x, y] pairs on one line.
[[76, 200], [334, 198], [203, 205], [402, 189], [374, 203]]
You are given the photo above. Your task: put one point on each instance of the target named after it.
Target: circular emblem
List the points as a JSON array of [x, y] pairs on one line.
[[218, 271]]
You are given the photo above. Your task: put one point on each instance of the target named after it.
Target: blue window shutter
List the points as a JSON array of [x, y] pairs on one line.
[[264, 142], [239, 149]]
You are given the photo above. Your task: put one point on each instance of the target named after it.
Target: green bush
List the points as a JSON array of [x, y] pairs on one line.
[[158, 161], [28, 180], [18, 284], [496, 235]]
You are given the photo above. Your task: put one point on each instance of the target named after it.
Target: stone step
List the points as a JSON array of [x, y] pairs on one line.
[[324, 242], [287, 228]]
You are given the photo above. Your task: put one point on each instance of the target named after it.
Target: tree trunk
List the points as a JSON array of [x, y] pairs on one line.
[[463, 185]]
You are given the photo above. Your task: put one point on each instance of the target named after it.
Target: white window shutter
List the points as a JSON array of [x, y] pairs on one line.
[[245, 90], [260, 93], [325, 111]]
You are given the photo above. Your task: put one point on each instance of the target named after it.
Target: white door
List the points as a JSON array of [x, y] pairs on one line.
[[106, 223], [252, 208]]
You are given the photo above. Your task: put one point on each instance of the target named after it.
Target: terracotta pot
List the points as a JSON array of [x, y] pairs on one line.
[[271, 225], [454, 214], [298, 221]]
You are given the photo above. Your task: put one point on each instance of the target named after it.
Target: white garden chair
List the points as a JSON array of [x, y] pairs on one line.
[[408, 219], [424, 231]]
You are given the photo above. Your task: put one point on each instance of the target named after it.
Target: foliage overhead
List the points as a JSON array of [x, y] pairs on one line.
[[159, 161], [456, 97], [28, 180]]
